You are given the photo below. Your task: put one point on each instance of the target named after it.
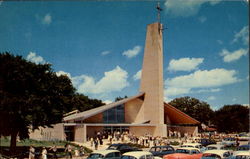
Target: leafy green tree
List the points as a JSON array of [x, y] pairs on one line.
[[83, 103], [195, 108], [31, 95], [232, 118]]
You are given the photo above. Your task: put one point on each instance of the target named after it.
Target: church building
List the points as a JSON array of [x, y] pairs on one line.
[[143, 113]]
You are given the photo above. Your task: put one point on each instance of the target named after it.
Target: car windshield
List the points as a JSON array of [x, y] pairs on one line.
[[242, 157], [211, 148], [210, 156], [95, 156], [243, 148], [112, 147], [182, 151], [127, 157]]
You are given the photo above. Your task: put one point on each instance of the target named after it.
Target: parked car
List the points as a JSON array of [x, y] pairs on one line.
[[242, 155], [216, 154], [105, 154], [244, 137], [161, 150], [185, 153], [229, 141], [194, 145], [215, 147], [122, 148], [138, 155], [205, 142], [242, 148]]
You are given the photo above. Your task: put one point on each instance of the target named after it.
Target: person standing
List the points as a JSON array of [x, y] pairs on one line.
[[96, 143], [44, 153], [32, 152], [54, 149], [68, 150]]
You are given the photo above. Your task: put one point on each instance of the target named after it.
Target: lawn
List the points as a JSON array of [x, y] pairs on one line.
[[22, 148]]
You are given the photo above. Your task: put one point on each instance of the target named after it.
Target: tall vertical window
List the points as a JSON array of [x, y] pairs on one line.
[[114, 115]]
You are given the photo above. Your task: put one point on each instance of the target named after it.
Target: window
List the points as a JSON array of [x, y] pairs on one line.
[[110, 155], [149, 157], [142, 157], [114, 115], [128, 157]]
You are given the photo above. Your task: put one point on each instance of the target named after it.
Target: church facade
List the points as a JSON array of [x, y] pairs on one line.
[[144, 113]]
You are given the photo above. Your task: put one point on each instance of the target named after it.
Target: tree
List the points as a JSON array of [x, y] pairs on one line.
[[31, 95], [232, 118], [198, 110], [120, 98], [83, 103]]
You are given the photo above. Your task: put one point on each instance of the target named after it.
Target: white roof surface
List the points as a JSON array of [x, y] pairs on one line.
[[217, 152], [137, 154], [104, 152]]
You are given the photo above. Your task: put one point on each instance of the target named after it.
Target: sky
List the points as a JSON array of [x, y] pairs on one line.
[[100, 45]]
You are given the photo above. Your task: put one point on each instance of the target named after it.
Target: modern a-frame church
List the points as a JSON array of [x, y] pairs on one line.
[[144, 113]]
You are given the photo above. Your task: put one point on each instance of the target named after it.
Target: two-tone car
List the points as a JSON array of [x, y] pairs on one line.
[[216, 154], [161, 150], [138, 155], [185, 153], [104, 154]]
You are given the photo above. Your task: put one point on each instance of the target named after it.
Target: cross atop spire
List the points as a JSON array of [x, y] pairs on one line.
[[159, 9]]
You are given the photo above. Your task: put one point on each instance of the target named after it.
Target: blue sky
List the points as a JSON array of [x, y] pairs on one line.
[[100, 44]]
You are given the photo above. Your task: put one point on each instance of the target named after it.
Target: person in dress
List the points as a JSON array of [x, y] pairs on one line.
[[32, 152]]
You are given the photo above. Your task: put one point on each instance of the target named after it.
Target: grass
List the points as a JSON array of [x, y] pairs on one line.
[[23, 146]]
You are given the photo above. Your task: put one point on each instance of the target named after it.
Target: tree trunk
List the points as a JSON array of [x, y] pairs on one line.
[[13, 142]]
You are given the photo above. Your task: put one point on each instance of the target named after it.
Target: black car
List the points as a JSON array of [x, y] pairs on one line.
[[161, 150], [205, 142], [122, 148]]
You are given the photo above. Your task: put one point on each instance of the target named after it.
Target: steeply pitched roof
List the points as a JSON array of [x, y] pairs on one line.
[[178, 117], [92, 112]]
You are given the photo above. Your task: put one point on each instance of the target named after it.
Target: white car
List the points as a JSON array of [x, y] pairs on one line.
[[138, 155], [216, 154], [229, 141], [242, 155], [194, 145], [105, 154], [215, 147]]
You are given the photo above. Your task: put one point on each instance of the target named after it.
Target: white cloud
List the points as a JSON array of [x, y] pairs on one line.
[[107, 101], [173, 91], [33, 57], [204, 79], [208, 90], [105, 53], [47, 19], [186, 8], [114, 80], [137, 76], [234, 99], [247, 77], [59, 73], [233, 56], [211, 98], [243, 35], [184, 64], [1, 2], [132, 52], [202, 19]]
